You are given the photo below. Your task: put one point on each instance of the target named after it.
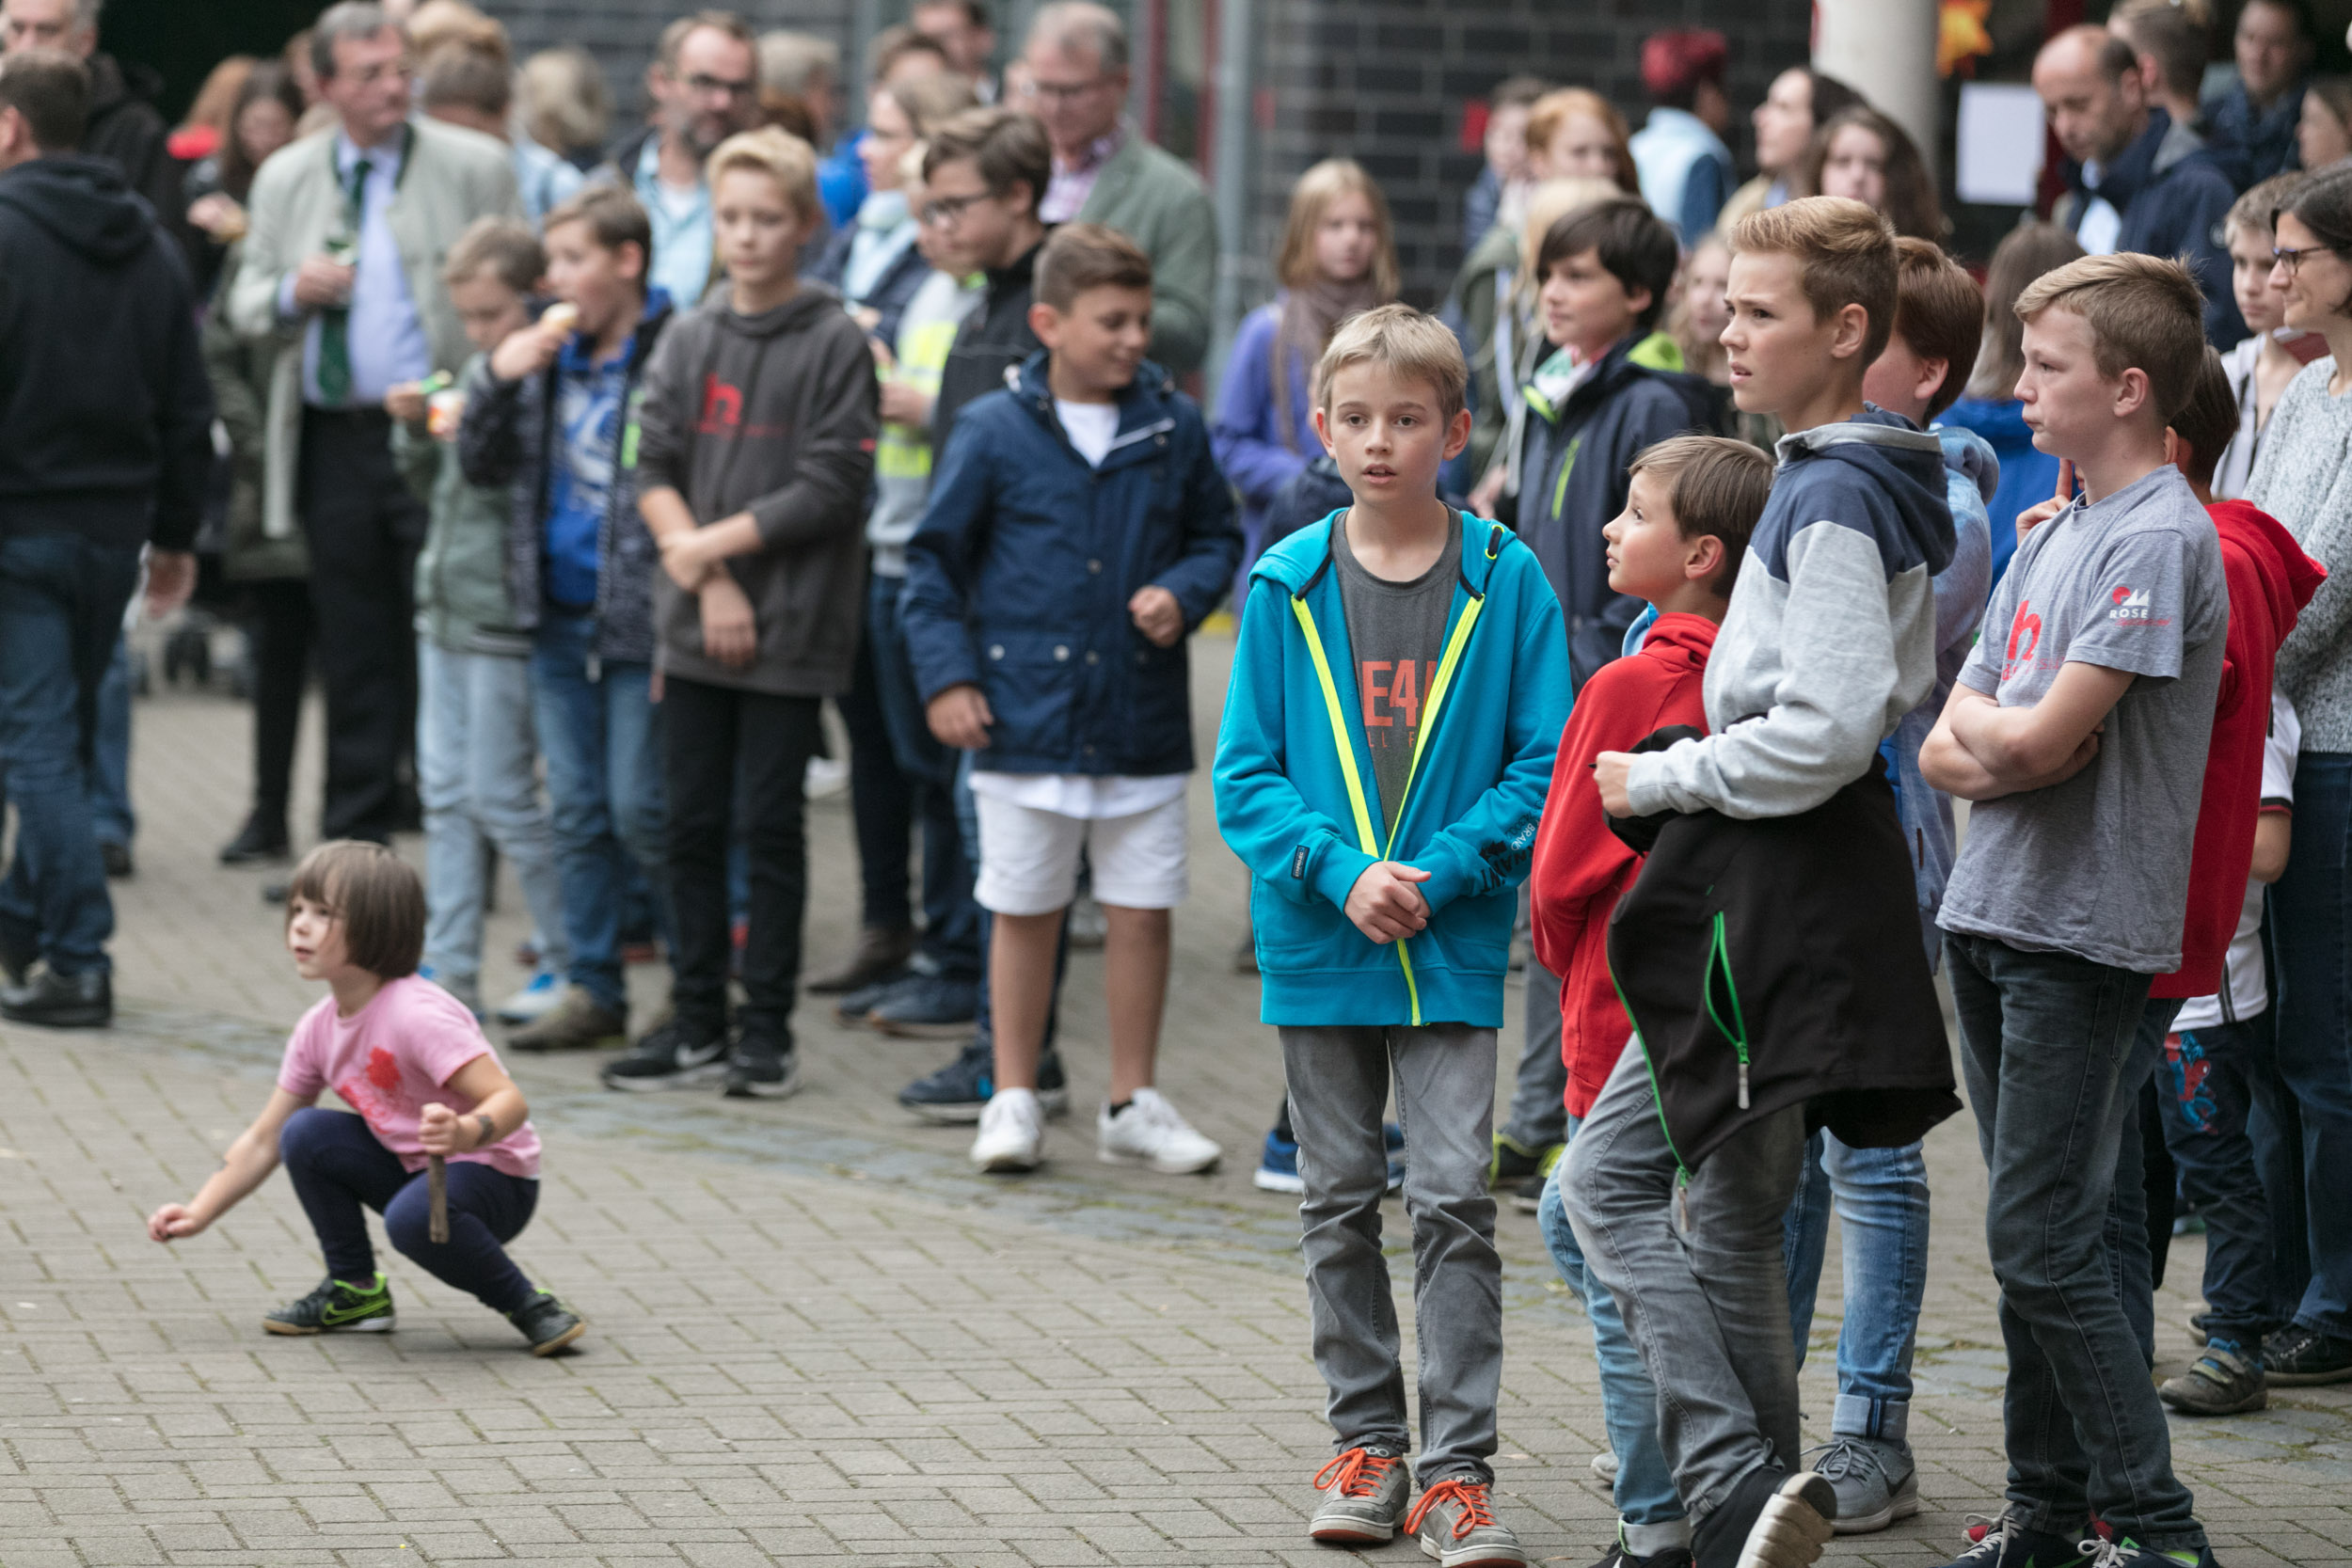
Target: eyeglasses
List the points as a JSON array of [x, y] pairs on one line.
[[704, 85], [943, 211], [1064, 92], [2292, 258]]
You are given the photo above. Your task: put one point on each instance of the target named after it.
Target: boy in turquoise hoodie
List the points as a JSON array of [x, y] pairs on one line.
[[1386, 830]]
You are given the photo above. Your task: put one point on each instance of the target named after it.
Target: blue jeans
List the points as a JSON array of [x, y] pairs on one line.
[[477, 773], [601, 734], [1651, 1513], [2049, 1044], [1881, 1198], [2311, 915], [337, 1168], [2208, 1086], [952, 918], [110, 762], [62, 600]]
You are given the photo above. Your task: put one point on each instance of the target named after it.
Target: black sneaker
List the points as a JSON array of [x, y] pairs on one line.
[[1513, 1162], [257, 841], [927, 1007], [55, 1001], [18, 954], [853, 1006], [959, 1091], [2299, 1355], [547, 1324], [336, 1308], [118, 858], [1619, 1557], [2225, 1380], [674, 1056], [761, 1069], [2008, 1544]]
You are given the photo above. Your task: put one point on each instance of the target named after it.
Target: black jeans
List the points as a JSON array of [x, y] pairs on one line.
[[881, 801], [279, 632], [716, 734], [364, 527], [336, 1166]]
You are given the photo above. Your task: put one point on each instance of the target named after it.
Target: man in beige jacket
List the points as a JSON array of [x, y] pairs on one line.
[[342, 267]]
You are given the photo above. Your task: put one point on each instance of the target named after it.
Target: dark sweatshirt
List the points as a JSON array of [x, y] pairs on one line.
[[776, 415], [105, 412], [993, 341]]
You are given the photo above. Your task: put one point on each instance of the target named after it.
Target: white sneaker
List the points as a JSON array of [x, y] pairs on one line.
[[1150, 1132], [826, 777], [1012, 1131], [531, 1003]]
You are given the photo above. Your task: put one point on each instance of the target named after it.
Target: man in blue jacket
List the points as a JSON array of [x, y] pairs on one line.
[[2127, 188]]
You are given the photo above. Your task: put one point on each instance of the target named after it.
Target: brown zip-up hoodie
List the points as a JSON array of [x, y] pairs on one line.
[[774, 414]]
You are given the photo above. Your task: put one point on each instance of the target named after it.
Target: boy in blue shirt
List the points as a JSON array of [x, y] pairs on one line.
[[1385, 832]]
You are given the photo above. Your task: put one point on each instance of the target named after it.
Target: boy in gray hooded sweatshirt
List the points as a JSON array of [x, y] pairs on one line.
[[756, 438]]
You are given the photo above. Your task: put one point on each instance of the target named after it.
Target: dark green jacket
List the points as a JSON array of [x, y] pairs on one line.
[[462, 602], [241, 369]]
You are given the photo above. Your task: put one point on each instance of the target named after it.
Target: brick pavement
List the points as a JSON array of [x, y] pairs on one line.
[[816, 1337]]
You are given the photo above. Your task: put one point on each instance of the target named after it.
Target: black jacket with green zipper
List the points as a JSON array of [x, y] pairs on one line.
[[1753, 983]]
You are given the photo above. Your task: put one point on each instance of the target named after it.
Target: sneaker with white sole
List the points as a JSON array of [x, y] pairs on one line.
[[1012, 1133], [1364, 1493], [1797, 1522], [673, 1056], [1875, 1480], [534, 1001], [1457, 1523], [1151, 1133]]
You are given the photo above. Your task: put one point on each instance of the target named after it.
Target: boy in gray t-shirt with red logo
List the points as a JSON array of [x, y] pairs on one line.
[[2080, 727]]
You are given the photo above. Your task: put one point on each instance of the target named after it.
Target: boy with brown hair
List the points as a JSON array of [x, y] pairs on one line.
[[1680, 1179], [1078, 530], [2069, 894], [1385, 849]]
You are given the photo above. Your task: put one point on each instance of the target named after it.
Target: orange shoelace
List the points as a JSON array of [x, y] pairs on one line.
[[1357, 1473], [1471, 1495]]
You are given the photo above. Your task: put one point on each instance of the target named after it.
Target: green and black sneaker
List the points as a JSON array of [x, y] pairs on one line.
[[547, 1324], [336, 1308]]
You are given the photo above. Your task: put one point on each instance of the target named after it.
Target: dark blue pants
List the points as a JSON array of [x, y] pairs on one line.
[[338, 1168], [952, 919], [2210, 1084], [2311, 912]]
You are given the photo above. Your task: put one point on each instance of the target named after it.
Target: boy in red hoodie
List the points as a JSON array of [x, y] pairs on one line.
[[1690, 505]]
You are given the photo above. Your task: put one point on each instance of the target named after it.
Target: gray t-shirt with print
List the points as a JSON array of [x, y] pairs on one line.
[[1396, 634], [2098, 867]]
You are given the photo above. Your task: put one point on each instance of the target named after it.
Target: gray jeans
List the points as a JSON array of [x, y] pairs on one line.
[[1445, 1092], [1698, 1277], [1540, 1091]]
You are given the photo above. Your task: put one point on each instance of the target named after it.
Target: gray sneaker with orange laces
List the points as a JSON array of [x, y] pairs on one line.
[[1456, 1521], [1364, 1490]]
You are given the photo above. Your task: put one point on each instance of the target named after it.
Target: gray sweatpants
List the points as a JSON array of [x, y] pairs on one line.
[[1698, 1277], [1445, 1091]]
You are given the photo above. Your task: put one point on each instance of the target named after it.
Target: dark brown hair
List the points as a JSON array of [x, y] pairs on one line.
[[377, 898], [1005, 145], [1083, 256], [1939, 311], [2167, 34], [895, 43], [268, 79], [2208, 422], [1714, 485], [51, 90], [1911, 201], [612, 214], [1631, 243], [505, 248]]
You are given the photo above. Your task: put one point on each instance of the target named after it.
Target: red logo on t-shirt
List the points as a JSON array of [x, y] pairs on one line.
[[2024, 635], [383, 1070], [1393, 690]]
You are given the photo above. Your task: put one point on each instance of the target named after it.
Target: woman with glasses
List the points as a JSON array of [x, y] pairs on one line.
[[2303, 477]]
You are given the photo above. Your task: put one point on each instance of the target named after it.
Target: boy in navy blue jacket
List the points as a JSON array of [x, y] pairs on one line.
[[1078, 529], [1387, 826]]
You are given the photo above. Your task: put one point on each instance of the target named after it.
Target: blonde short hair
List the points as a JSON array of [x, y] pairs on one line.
[[1845, 255], [1412, 344], [775, 152], [2143, 310]]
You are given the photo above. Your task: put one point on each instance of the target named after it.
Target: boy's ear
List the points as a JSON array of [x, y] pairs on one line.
[[1046, 322], [1852, 332], [2133, 393], [628, 259], [1638, 301], [1702, 558], [1457, 432], [1323, 431]]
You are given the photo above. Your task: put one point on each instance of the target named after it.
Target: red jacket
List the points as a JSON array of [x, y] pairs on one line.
[[2271, 579], [1581, 866]]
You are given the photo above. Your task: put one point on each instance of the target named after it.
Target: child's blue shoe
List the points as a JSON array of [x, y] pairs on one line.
[[535, 1001], [1278, 1167]]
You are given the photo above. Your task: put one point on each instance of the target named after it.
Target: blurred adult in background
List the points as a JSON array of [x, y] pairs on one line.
[[1502, 180], [1990, 407], [897, 53], [1861, 154], [124, 127], [2129, 188], [2170, 40], [704, 84], [2323, 132], [1576, 134], [295, 57], [260, 120], [1685, 168], [1106, 172], [806, 66], [106, 446], [2260, 112], [464, 84], [564, 105], [439, 25], [1799, 103], [199, 132], [342, 266], [875, 262], [962, 29]]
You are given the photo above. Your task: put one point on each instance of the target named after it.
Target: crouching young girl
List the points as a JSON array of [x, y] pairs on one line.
[[411, 1060]]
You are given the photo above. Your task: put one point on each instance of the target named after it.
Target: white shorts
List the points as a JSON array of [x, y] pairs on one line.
[[1029, 858]]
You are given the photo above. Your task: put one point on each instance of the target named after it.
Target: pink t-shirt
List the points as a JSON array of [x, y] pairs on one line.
[[391, 1059]]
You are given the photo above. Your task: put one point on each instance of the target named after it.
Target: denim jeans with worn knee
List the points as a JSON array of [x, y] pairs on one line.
[[1880, 1196], [1699, 1277], [2049, 1044], [1444, 1074]]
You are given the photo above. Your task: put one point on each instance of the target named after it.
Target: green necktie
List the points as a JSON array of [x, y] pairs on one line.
[[334, 326]]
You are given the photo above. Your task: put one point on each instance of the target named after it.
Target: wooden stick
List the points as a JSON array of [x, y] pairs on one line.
[[436, 1189]]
